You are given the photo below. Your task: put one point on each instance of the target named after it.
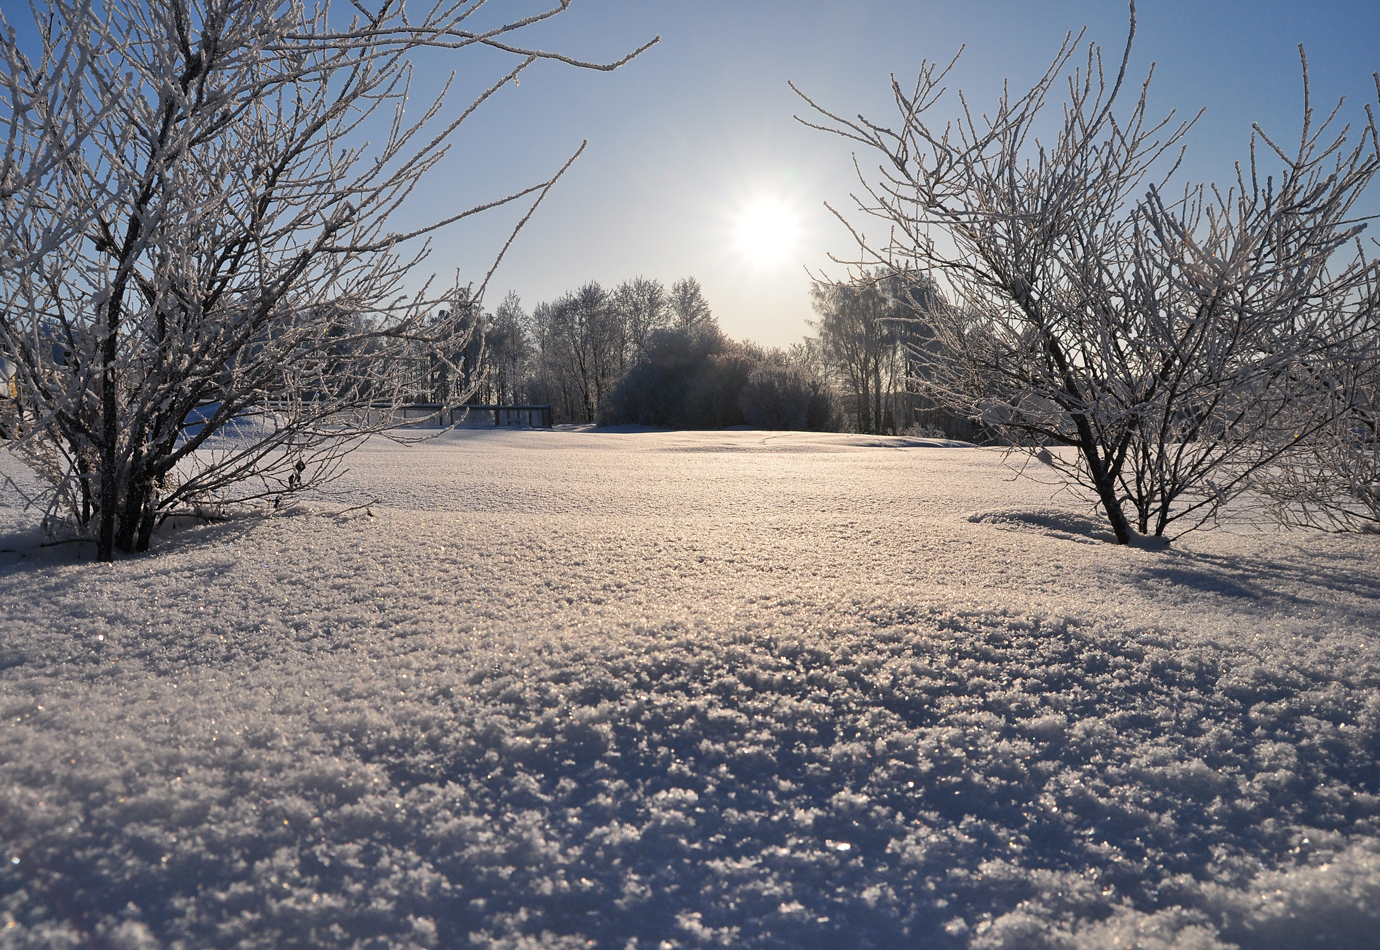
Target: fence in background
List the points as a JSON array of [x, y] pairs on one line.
[[447, 416]]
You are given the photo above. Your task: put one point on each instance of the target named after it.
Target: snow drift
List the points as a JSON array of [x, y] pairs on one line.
[[644, 689]]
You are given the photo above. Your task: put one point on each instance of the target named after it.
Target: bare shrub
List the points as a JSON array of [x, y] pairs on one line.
[[212, 294], [1170, 337]]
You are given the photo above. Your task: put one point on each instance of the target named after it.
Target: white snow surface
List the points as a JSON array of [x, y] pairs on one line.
[[643, 689]]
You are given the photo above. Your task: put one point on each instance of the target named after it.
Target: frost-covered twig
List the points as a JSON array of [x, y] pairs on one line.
[[199, 282], [1178, 343]]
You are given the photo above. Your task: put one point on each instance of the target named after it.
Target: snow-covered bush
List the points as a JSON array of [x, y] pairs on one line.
[[691, 378], [1169, 334], [779, 395], [217, 232], [1333, 481]]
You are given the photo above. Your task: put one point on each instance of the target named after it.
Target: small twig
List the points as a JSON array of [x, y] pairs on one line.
[[366, 505]]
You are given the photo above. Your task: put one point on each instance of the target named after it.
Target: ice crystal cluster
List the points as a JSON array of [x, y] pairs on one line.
[[657, 690]]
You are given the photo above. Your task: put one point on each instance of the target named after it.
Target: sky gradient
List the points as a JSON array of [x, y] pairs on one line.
[[701, 127], [681, 139]]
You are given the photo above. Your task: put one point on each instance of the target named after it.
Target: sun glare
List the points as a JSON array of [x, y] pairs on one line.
[[767, 231]]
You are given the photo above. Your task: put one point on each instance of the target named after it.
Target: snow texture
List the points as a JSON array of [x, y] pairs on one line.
[[558, 689]]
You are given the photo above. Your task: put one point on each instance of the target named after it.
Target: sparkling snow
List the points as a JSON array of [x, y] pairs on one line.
[[632, 689]]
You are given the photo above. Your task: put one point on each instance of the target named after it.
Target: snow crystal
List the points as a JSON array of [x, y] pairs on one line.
[[649, 689]]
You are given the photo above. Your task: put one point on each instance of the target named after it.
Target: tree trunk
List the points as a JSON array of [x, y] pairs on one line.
[[877, 398], [1106, 493], [136, 500], [146, 523], [110, 432], [1104, 481], [84, 480], [1161, 521]]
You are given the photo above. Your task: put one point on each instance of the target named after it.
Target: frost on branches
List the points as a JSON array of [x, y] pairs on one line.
[[44, 121], [201, 290], [1179, 340]]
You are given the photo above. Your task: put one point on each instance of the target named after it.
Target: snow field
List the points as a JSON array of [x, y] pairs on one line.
[[638, 689]]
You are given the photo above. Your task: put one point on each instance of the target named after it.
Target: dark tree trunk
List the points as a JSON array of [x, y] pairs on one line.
[[1104, 480], [146, 521], [84, 480], [877, 397], [136, 499], [109, 448], [1106, 493]]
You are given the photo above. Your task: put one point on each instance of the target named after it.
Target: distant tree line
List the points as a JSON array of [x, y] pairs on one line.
[[876, 333], [645, 354], [637, 354]]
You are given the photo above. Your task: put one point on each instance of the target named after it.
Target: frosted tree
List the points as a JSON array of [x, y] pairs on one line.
[[1169, 344], [644, 308], [1333, 482], [590, 339], [507, 350], [689, 309], [862, 329], [44, 120], [211, 293]]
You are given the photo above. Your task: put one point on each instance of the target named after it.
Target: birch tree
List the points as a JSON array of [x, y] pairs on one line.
[[212, 291], [507, 351], [689, 309], [862, 328], [1165, 337], [644, 308], [583, 342]]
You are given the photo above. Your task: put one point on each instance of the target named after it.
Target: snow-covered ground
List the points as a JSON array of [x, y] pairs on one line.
[[674, 690]]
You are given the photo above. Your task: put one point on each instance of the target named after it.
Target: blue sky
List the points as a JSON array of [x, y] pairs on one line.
[[701, 125]]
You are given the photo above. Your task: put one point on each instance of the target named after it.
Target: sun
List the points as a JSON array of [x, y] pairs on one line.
[[767, 230]]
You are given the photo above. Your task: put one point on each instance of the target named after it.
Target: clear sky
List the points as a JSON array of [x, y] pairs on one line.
[[698, 133], [700, 128]]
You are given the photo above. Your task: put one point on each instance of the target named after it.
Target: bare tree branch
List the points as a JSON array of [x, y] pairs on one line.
[[200, 292], [1177, 346]]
